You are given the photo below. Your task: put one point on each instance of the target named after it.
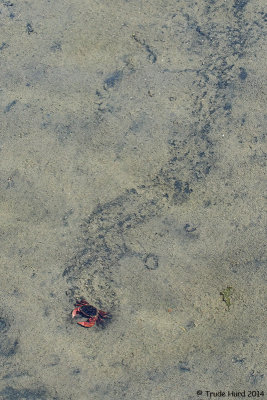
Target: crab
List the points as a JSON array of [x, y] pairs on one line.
[[93, 315]]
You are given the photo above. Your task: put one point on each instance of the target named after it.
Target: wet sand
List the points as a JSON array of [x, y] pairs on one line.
[[132, 175]]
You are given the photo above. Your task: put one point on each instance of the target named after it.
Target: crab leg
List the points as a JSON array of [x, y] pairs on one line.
[[82, 303], [104, 314]]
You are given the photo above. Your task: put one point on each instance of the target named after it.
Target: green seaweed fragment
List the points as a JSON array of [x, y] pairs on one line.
[[226, 294]]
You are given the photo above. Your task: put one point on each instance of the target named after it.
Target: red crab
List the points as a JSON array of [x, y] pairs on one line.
[[93, 315]]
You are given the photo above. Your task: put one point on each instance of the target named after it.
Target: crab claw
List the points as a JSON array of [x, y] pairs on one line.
[[75, 311], [87, 324]]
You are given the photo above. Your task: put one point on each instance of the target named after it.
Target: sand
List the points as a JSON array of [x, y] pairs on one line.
[[132, 175]]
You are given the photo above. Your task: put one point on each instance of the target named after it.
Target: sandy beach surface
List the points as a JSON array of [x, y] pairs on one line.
[[132, 175]]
